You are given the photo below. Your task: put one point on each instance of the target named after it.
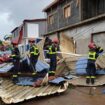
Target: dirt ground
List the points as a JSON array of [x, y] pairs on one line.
[[74, 96]]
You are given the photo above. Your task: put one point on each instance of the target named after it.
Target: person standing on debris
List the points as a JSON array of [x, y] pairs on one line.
[[91, 69], [34, 54], [98, 49], [16, 61], [46, 44], [52, 51]]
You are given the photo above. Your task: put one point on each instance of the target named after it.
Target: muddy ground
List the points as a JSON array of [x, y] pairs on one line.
[[74, 96]]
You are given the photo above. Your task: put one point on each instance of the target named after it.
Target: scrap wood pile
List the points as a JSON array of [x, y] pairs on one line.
[[100, 62], [68, 64]]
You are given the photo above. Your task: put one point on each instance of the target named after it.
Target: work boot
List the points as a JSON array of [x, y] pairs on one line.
[[92, 81], [15, 80], [87, 80]]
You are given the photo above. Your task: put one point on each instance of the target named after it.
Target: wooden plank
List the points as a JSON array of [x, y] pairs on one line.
[[40, 46], [68, 43]]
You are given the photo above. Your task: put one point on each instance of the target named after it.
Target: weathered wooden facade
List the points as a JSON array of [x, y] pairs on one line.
[[92, 8], [77, 19], [57, 11]]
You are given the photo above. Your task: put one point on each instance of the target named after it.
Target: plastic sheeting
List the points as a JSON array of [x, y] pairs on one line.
[[40, 65], [25, 66], [57, 80], [81, 67], [6, 68], [27, 81]]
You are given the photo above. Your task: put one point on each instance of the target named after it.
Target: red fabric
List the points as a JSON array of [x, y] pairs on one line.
[[20, 35], [15, 41], [18, 40], [37, 83], [51, 78]]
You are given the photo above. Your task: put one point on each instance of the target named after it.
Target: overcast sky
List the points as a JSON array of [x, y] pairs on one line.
[[13, 12]]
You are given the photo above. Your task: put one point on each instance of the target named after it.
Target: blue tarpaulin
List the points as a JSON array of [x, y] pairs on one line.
[[40, 65], [57, 80], [6, 68], [27, 81], [25, 66], [81, 66]]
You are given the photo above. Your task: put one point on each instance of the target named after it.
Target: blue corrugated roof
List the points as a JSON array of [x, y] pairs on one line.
[[57, 80], [81, 66]]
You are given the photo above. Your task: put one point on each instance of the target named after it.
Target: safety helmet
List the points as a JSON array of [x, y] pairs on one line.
[[91, 45], [55, 40]]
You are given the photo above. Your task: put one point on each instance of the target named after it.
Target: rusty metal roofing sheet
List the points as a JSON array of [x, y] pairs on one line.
[[11, 93]]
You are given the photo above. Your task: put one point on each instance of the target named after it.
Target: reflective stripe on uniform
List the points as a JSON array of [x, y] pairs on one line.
[[88, 77], [35, 51], [50, 72], [33, 73], [92, 56], [50, 50], [13, 55], [101, 48], [15, 76], [19, 72], [93, 76]]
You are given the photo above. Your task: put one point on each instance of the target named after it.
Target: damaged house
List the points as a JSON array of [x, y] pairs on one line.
[[81, 21]]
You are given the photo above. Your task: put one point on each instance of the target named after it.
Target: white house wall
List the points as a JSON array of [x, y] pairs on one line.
[[39, 32], [82, 35], [32, 30]]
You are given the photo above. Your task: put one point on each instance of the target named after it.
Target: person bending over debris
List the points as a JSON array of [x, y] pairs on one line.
[[34, 54], [16, 62], [91, 69], [52, 51]]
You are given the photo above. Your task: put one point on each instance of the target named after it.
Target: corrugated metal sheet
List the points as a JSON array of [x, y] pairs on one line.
[[81, 81], [11, 93], [81, 66], [5, 67]]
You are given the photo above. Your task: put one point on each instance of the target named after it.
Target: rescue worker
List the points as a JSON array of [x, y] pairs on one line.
[[52, 51], [16, 61], [98, 49], [91, 69], [46, 44], [34, 54]]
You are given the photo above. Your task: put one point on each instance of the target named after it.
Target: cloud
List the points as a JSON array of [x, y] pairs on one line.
[[5, 24], [13, 12]]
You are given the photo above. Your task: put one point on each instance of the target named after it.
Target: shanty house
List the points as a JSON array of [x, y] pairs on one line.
[[80, 20], [29, 29]]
